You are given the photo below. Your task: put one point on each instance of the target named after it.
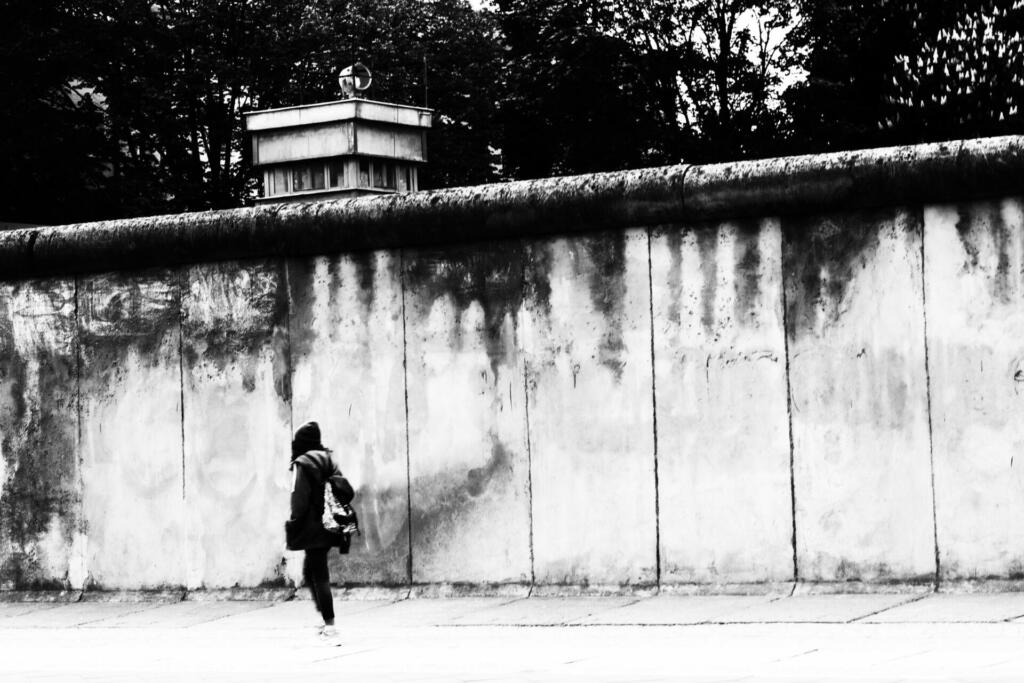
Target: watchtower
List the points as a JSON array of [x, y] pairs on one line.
[[348, 148]]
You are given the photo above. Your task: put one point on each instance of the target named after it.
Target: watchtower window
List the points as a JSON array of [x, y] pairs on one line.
[[276, 181], [337, 174], [300, 179]]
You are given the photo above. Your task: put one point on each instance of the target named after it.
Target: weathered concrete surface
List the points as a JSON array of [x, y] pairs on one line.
[[963, 169], [528, 404], [588, 335], [236, 423], [857, 179], [855, 323], [975, 292], [131, 448], [41, 539], [723, 426], [485, 212], [347, 353], [468, 455]]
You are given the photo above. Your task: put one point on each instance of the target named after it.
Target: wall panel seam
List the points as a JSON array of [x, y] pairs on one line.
[[288, 346], [928, 400], [789, 401], [654, 413], [79, 458], [529, 469], [181, 374], [405, 388]]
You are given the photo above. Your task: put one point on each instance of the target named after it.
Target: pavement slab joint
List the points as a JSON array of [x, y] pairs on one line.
[[910, 600]]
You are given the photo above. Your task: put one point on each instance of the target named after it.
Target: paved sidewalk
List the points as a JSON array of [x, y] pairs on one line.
[[710, 638]]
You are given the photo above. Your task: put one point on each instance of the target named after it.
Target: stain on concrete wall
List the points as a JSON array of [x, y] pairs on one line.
[[236, 422], [855, 322], [130, 378], [590, 407], [467, 422], [347, 363], [723, 431], [974, 259], [41, 539]]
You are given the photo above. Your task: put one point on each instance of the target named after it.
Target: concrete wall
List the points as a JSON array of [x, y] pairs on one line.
[[347, 357], [723, 435], [302, 144], [591, 417], [828, 396], [974, 260], [42, 544], [468, 460], [236, 391], [861, 455], [133, 469]]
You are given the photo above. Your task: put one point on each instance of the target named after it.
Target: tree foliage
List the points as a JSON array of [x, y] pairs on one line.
[[964, 79], [165, 84], [626, 83], [576, 96], [127, 107], [875, 67], [727, 61], [52, 149], [175, 77]]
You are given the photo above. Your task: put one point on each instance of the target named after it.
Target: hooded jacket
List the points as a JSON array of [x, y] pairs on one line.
[[305, 528]]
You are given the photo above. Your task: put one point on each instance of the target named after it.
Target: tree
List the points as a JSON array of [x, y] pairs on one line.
[[178, 74], [965, 79], [851, 48], [52, 148], [731, 63], [627, 83], [578, 95], [126, 108], [175, 76]]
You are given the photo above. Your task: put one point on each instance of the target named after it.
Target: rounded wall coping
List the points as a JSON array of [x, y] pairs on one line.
[[931, 173]]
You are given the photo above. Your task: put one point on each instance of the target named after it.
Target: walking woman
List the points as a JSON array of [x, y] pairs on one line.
[[313, 468]]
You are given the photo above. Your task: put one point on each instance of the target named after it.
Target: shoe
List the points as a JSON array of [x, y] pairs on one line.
[[329, 636]]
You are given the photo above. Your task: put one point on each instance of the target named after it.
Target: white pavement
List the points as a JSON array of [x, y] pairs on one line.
[[707, 638]]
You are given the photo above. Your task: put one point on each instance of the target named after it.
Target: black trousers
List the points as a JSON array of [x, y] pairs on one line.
[[314, 571]]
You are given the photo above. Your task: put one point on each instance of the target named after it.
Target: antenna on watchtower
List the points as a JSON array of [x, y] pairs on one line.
[[354, 79]]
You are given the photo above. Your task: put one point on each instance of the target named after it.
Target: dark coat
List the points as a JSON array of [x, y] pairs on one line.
[[305, 528]]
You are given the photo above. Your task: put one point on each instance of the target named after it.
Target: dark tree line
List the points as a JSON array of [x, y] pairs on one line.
[[129, 107]]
